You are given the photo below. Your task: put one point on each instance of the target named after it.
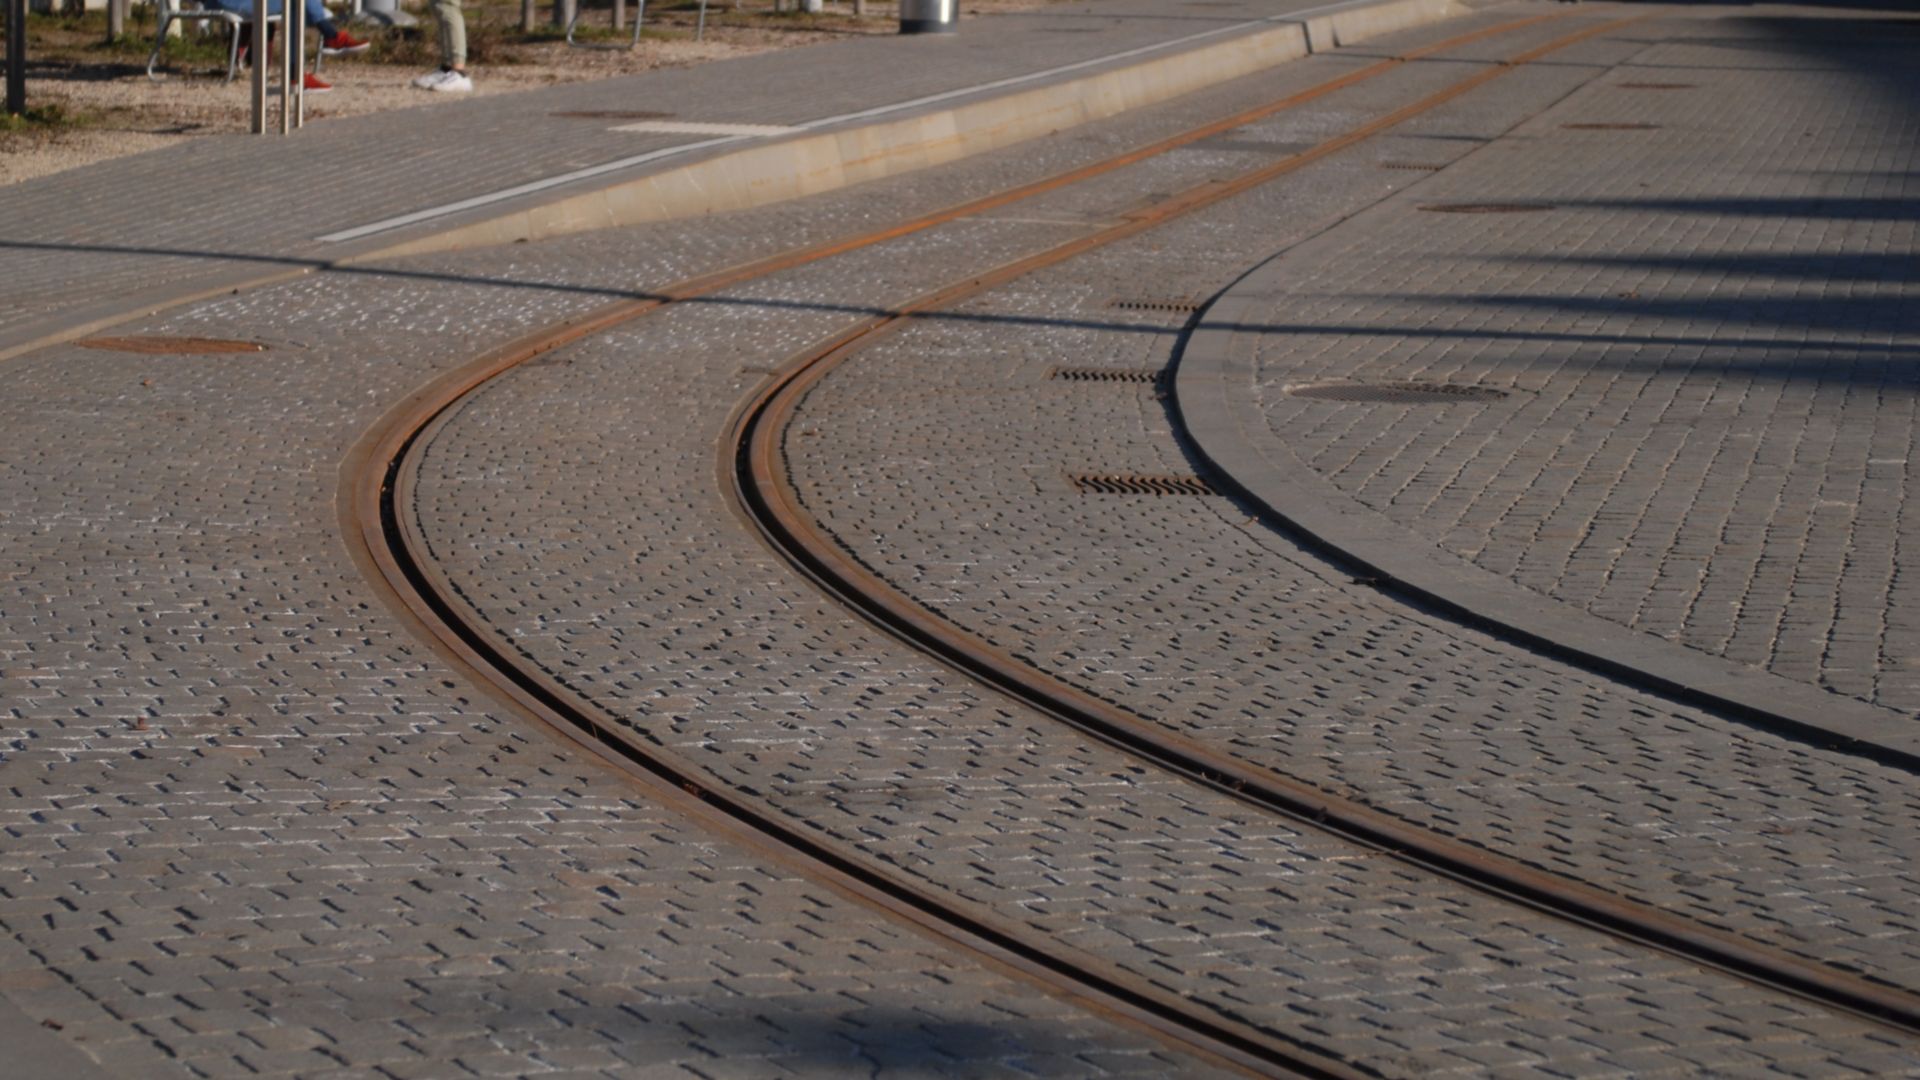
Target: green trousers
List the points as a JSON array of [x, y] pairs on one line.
[[453, 33]]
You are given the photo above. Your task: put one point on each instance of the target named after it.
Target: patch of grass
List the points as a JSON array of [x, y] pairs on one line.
[[49, 119]]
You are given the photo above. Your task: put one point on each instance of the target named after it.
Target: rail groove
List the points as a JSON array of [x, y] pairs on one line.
[[376, 483], [763, 485]]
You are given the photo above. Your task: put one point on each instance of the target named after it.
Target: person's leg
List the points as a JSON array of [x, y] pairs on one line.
[[453, 34], [319, 19], [333, 40], [453, 50]]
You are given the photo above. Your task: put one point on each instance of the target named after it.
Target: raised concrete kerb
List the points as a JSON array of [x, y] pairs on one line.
[[1352, 25], [759, 173], [1212, 403]]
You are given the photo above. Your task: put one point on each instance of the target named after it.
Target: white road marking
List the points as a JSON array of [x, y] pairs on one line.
[[430, 213], [684, 127]]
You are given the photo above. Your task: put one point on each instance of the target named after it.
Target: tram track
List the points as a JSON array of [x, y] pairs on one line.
[[378, 483]]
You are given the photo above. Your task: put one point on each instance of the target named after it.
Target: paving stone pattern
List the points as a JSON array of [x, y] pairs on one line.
[[84, 238], [573, 505], [248, 827], [940, 458], [1708, 344]]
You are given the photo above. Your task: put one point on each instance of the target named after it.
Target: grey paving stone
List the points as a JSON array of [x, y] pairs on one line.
[[1188, 613], [668, 615], [74, 242], [251, 827]]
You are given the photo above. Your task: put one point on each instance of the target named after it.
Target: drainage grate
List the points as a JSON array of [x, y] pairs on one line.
[[1611, 127], [1486, 208], [1411, 166], [1119, 375], [1137, 484], [157, 345], [611, 114], [1175, 307], [1399, 393], [1657, 85]]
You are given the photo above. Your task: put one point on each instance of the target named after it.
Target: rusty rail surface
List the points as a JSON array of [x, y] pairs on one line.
[[376, 484]]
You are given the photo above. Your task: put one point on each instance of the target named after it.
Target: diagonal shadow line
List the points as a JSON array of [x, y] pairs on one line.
[[1869, 351], [1832, 208], [1886, 315], [719, 299], [1894, 269], [1054, 322]]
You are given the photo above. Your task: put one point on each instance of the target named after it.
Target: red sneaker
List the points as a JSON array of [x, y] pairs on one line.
[[342, 44], [314, 85]]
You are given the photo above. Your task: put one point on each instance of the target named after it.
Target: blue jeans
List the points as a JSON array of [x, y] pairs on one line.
[[317, 17]]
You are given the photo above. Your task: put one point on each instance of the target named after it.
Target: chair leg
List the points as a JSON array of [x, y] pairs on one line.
[[233, 51], [159, 42]]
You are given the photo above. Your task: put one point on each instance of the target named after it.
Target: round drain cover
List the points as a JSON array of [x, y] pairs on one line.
[[157, 345], [1398, 393]]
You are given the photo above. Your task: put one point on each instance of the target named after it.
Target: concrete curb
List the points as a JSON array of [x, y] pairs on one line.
[[762, 173], [1211, 404], [814, 162]]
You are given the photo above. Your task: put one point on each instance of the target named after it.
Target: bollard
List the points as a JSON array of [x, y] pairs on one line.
[[928, 16], [16, 56]]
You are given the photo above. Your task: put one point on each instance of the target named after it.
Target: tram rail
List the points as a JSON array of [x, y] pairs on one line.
[[377, 485]]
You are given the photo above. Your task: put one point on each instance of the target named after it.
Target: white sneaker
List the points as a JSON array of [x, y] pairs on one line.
[[452, 81]]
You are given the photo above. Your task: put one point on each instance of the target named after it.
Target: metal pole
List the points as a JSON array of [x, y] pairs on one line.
[[286, 68], [16, 56], [563, 11], [296, 47], [117, 19], [859, 9], [527, 17], [259, 49]]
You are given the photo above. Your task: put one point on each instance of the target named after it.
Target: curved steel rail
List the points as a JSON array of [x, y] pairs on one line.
[[374, 488], [376, 480], [762, 485]]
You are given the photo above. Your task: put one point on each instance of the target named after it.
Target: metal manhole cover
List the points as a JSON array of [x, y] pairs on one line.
[[1119, 375], [611, 114], [1486, 208], [1138, 484], [1398, 393], [1173, 306], [1658, 86], [1611, 127], [156, 345]]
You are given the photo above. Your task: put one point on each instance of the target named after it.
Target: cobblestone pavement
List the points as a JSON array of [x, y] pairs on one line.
[[1708, 346], [251, 828], [941, 459], [574, 514], [80, 244]]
